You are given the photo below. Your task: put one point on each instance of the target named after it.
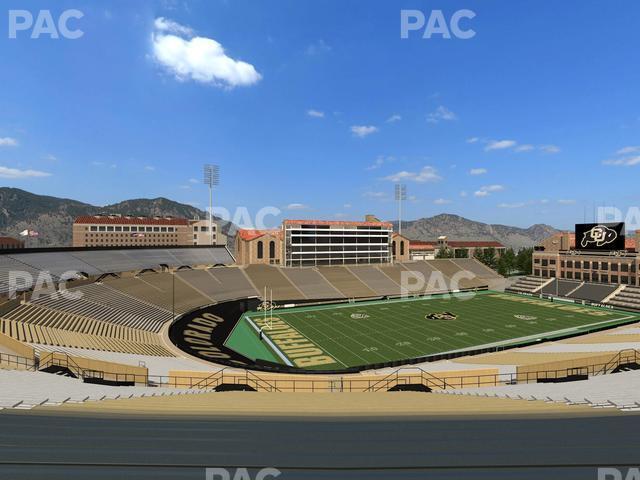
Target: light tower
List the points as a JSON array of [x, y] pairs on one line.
[[211, 179], [401, 195]]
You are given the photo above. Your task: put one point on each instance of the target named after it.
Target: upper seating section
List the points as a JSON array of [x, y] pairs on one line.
[[100, 261]]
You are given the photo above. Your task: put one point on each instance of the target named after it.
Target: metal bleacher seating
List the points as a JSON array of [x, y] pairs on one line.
[[559, 288], [375, 280], [527, 285], [593, 292], [311, 283], [629, 297], [33, 389], [346, 282], [618, 390], [272, 278]]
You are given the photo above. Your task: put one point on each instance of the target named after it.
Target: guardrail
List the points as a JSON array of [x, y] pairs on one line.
[[331, 383], [17, 362]]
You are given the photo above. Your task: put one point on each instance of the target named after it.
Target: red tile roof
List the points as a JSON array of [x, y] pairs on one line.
[[420, 245], [249, 235], [126, 220], [338, 222], [10, 241]]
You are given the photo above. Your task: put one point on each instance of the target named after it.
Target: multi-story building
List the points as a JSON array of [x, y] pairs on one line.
[[557, 257], [259, 247], [120, 231], [202, 236], [299, 243], [319, 242], [405, 249]]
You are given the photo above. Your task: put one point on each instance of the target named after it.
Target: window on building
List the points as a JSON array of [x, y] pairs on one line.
[[614, 267], [94, 228], [401, 248], [260, 250], [272, 249], [604, 266]]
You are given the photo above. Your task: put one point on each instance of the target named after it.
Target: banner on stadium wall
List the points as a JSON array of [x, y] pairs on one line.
[[600, 236]]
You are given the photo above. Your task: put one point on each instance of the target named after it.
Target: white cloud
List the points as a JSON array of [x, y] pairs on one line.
[[628, 150], [315, 113], [478, 171], [566, 202], [486, 190], [340, 215], [473, 140], [15, 173], [198, 58], [441, 201], [379, 161], [427, 174], [194, 180], [463, 193], [500, 145], [297, 206], [441, 113], [50, 158], [318, 47], [347, 205], [550, 148], [524, 148], [8, 142], [511, 205], [362, 131], [394, 118], [150, 168], [162, 24]]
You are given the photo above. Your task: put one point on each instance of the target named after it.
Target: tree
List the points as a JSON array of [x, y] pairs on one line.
[[461, 253], [487, 256], [524, 260], [444, 253]]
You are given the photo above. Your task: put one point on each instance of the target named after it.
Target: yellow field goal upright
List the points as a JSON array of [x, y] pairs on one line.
[[267, 305]]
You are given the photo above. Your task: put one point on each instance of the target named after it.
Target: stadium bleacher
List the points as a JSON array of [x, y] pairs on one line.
[[375, 280], [618, 390], [593, 292], [311, 283], [232, 283], [627, 297], [346, 282], [560, 288], [33, 389], [527, 285], [271, 278]]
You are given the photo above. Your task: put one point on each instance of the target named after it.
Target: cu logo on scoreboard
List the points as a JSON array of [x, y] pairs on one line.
[[599, 235]]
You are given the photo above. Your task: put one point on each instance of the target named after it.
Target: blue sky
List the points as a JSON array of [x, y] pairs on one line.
[[318, 107]]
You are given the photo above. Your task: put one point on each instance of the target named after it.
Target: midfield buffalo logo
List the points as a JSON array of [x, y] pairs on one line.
[[441, 316], [600, 235]]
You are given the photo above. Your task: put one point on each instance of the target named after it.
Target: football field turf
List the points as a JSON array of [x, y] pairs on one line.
[[348, 335]]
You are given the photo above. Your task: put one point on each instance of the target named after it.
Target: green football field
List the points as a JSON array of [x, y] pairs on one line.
[[348, 335]]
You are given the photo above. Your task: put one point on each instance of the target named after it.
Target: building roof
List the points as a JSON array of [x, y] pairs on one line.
[[433, 245], [128, 220], [248, 234], [10, 241], [345, 223]]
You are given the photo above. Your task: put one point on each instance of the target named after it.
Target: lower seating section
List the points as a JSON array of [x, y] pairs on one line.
[[394, 272], [158, 289], [346, 282], [375, 280], [560, 288], [122, 314], [619, 390], [33, 389], [231, 283], [593, 291], [39, 325], [270, 277], [311, 283], [474, 266], [456, 273], [629, 297], [527, 285]]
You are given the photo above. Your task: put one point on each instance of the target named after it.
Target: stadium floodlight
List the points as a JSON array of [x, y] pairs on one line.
[[211, 179], [401, 195]]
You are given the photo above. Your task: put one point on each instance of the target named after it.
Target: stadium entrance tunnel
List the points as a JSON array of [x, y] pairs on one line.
[[410, 387]]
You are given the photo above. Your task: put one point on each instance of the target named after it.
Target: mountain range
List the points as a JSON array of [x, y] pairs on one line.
[[53, 217], [456, 227]]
